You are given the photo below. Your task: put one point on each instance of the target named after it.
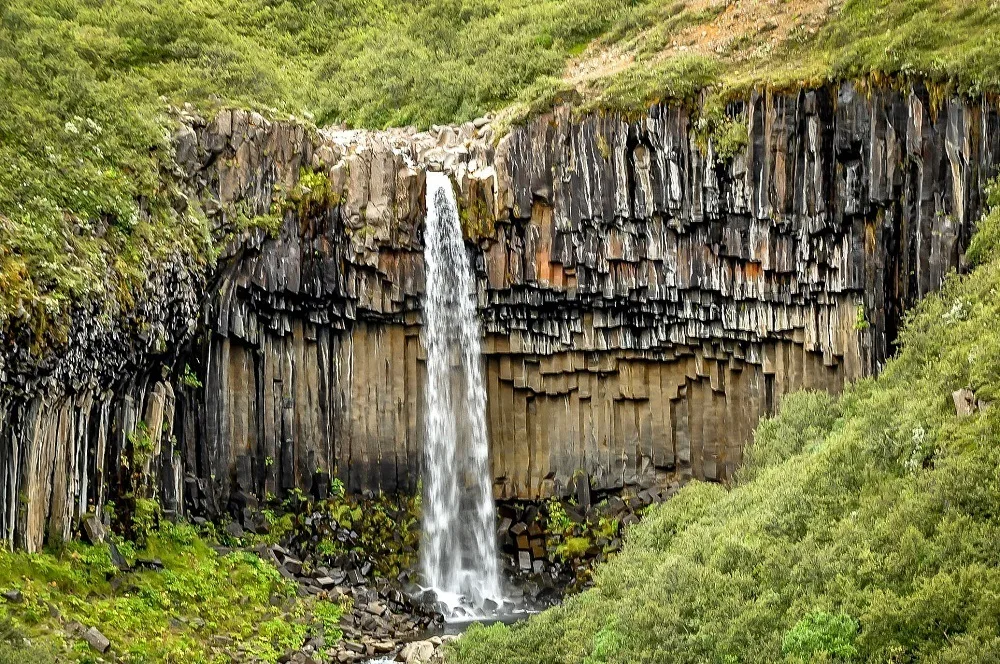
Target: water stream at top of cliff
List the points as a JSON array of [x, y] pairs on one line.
[[458, 547]]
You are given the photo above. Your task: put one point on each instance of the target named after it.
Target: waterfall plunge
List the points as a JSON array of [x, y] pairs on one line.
[[458, 547]]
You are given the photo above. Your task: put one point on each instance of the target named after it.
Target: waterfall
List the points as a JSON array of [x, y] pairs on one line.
[[458, 546]]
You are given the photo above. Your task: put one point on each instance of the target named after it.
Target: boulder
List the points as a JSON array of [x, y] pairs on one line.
[[417, 652], [965, 402], [326, 583], [293, 565], [234, 529], [97, 641], [93, 529]]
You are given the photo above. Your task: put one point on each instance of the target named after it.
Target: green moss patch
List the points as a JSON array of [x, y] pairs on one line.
[[202, 606]]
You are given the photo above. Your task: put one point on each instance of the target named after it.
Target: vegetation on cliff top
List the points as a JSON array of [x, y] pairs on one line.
[[864, 528], [86, 208]]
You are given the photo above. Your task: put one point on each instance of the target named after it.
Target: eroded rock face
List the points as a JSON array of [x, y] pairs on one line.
[[644, 300], [69, 419]]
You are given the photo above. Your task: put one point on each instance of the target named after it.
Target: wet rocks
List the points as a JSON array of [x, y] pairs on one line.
[[424, 652], [380, 622], [417, 652], [551, 547], [381, 612]]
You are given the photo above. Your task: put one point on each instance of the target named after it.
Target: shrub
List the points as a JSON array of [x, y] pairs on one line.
[[821, 633], [806, 418]]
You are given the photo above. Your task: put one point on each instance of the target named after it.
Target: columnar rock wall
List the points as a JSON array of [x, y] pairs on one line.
[[644, 300], [69, 422]]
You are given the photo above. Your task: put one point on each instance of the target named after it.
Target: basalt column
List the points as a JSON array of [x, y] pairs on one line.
[[643, 298]]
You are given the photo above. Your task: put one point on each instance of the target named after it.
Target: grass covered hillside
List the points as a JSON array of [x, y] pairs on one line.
[[86, 204], [862, 529], [197, 605], [85, 209]]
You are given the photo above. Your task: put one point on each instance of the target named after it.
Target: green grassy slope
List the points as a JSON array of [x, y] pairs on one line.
[[862, 529], [199, 606], [949, 44], [86, 86]]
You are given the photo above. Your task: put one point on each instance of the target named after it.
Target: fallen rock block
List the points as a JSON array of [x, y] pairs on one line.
[[965, 402], [326, 583], [293, 565], [417, 652], [235, 530], [93, 529], [97, 641], [524, 560]]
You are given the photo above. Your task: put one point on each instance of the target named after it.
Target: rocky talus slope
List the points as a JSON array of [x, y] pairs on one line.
[[644, 300]]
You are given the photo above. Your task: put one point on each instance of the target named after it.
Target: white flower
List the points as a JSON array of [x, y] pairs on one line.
[[71, 128], [959, 310]]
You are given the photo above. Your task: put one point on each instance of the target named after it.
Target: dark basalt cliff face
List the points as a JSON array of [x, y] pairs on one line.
[[644, 301]]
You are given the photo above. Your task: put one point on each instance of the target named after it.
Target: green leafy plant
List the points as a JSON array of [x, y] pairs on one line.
[[190, 379], [861, 321], [557, 521], [822, 633], [141, 440], [145, 517], [573, 547]]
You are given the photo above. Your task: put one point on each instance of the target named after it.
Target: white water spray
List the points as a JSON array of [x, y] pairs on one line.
[[458, 548]]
